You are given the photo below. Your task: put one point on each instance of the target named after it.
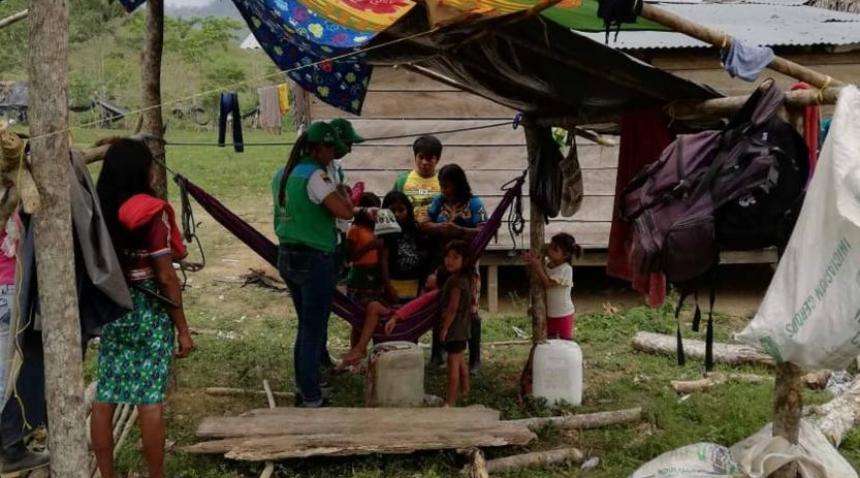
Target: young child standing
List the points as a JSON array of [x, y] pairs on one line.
[[421, 184], [364, 279], [556, 275], [456, 317]]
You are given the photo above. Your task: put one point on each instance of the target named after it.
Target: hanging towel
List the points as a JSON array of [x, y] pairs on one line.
[[745, 61], [284, 98], [644, 136], [811, 128], [270, 109]]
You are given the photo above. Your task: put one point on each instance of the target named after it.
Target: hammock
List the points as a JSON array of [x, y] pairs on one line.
[[426, 307]]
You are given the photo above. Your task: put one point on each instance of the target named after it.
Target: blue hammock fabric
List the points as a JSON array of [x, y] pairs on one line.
[[410, 329]]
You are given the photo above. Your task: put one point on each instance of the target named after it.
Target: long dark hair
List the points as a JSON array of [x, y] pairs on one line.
[[397, 197], [125, 173], [454, 174], [568, 245], [299, 149]]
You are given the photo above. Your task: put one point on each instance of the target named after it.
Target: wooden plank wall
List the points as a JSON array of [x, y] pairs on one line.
[[400, 102]]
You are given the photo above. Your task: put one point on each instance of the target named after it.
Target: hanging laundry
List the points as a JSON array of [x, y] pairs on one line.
[[745, 61], [811, 128], [284, 98], [644, 136], [270, 108], [230, 106]]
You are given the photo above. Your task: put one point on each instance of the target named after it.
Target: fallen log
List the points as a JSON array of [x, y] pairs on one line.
[[839, 415], [538, 458], [584, 421], [723, 353], [477, 467], [238, 392], [13, 19], [712, 379]]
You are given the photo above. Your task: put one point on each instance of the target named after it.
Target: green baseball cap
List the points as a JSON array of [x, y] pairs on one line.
[[345, 131], [322, 132]]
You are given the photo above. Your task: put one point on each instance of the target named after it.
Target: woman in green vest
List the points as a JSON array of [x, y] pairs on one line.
[[306, 204]]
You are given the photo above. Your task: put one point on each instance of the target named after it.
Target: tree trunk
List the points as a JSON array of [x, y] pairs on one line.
[[61, 333], [150, 75], [538, 458], [537, 294], [787, 404]]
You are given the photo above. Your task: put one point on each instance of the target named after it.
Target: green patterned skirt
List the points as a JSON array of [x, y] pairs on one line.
[[135, 353]]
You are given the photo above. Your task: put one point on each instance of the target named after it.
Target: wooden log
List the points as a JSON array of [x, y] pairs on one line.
[[838, 416], [61, 334], [126, 429], [478, 466], [152, 121], [787, 407], [721, 39], [724, 107], [817, 380], [584, 421], [723, 353], [237, 392], [270, 466], [15, 18], [713, 379], [538, 458]]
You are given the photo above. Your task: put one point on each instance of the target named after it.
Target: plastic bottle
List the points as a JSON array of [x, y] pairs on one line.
[[557, 372]]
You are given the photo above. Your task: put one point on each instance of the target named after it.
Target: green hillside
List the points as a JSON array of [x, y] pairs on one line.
[[200, 55]]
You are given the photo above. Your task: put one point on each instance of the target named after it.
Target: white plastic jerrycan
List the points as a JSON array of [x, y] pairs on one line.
[[395, 376], [557, 372]]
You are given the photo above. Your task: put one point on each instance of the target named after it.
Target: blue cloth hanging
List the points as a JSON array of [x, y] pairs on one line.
[[745, 61]]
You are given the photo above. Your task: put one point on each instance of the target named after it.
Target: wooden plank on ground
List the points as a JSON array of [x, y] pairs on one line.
[[262, 435], [406, 440], [418, 105], [297, 421]]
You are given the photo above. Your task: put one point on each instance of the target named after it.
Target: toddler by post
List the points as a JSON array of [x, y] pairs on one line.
[[556, 275]]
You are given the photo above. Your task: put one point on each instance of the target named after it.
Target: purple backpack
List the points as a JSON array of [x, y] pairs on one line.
[[737, 188]]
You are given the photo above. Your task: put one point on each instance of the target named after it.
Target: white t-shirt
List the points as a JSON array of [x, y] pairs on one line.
[[558, 300], [320, 186]]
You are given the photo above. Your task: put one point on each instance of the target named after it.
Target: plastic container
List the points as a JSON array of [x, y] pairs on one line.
[[557, 372], [395, 376]]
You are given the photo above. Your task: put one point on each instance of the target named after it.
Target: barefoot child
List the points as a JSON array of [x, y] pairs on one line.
[[556, 275], [456, 317]]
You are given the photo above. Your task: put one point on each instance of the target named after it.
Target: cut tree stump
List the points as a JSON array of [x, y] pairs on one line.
[[584, 421], [732, 354], [538, 458], [280, 433]]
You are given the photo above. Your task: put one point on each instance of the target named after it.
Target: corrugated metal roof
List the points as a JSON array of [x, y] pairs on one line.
[[762, 22]]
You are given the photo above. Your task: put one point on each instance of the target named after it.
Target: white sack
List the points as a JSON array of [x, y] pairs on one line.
[[810, 315], [762, 454], [700, 460]]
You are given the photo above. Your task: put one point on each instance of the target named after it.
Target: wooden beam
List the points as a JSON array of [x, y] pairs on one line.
[[721, 39], [55, 261], [723, 353], [12, 19], [584, 421], [537, 294], [150, 75], [493, 289]]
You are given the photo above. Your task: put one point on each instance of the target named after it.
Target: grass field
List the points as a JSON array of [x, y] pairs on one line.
[[247, 335]]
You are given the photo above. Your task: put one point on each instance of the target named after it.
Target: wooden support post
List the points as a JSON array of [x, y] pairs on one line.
[[493, 289], [720, 39], [787, 405], [55, 262], [537, 294], [12, 19], [301, 106], [150, 76]]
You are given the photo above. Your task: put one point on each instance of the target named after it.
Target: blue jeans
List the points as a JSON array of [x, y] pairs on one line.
[[310, 276]]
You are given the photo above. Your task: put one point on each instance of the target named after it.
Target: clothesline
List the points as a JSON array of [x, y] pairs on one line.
[[257, 80], [378, 138]]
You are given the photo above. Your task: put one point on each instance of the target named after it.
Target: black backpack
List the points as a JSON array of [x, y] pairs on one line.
[[736, 189]]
